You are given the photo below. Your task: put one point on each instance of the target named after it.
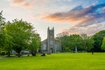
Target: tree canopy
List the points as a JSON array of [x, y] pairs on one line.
[[98, 38], [18, 35]]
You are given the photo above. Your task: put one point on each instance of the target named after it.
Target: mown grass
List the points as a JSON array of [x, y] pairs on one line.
[[63, 61]]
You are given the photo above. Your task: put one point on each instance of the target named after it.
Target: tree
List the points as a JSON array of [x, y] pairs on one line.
[[103, 44], [76, 42], [8, 41], [65, 43], [2, 20], [88, 42], [18, 35], [35, 44], [2, 23], [70, 42], [98, 38], [21, 32]]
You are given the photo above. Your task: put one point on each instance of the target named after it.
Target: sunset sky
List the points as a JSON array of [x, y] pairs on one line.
[[71, 16]]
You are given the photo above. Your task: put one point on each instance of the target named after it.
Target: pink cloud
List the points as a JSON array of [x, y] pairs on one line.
[[87, 20], [22, 3], [83, 16], [18, 1], [90, 30]]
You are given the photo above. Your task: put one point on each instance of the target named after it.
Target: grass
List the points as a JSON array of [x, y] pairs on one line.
[[67, 61]]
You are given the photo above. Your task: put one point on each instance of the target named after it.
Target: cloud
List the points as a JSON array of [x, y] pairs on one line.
[[83, 16], [30, 3], [90, 30], [88, 19], [22, 3], [18, 1]]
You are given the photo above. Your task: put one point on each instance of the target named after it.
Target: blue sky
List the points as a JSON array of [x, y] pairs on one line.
[[37, 12]]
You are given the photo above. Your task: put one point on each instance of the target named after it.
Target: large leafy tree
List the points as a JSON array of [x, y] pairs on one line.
[[22, 37], [20, 31], [98, 38], [18, 35]]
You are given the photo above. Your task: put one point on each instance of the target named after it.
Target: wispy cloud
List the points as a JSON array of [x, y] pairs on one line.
[[83, 16], [22, 3], [87, 19], [30, 3], [90, 30]]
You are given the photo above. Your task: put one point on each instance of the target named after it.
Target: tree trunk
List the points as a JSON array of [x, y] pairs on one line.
[[33, 53], [19, 54], [18, 51], [76, 50], [8, 53]]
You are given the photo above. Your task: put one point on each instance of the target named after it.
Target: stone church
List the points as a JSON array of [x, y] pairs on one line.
[[50, 45]]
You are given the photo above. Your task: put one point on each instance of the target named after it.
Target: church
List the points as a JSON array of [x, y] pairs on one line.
[[50, 45]]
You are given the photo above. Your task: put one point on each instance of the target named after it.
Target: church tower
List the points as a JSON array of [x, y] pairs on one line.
[[50, 40], [50, 45]]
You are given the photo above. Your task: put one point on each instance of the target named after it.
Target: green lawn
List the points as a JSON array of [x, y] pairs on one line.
[[67, 61]]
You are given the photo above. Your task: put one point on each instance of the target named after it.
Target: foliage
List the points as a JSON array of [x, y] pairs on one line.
[[64, 43], [88, 42], [2, 23], [70, 43], [19, 33], [103, 44], [35, 44], [8, 42], [76, 43], [98, 38]]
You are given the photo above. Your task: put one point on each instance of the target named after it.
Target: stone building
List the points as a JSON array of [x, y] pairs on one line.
[[50, 45]]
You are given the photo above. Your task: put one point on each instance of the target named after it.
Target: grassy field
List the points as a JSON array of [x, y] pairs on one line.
[[67, 61]]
